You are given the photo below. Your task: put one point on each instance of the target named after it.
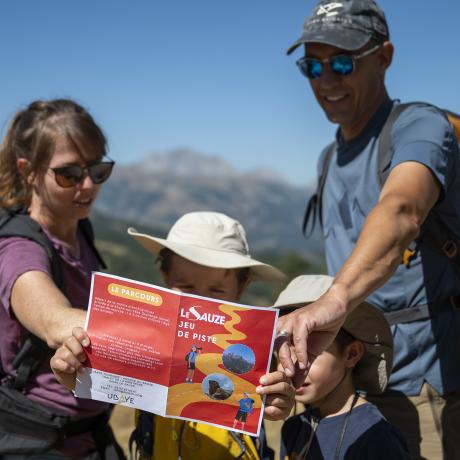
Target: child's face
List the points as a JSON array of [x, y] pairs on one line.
[[326, 372], [192, 278]]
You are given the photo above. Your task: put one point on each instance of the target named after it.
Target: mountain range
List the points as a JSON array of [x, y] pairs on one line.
[[160, 188]]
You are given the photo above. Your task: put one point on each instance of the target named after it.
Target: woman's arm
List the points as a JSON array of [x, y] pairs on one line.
[[43, 309]]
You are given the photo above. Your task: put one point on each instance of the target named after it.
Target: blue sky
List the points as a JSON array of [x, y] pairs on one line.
[[206, 74]]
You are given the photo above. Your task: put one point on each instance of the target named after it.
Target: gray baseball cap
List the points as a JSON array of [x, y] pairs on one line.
[[346, 24]]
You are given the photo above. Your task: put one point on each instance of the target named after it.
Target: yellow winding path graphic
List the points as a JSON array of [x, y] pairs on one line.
[[183, 394]]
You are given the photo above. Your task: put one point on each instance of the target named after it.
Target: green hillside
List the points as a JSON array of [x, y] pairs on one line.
[[125, 257]]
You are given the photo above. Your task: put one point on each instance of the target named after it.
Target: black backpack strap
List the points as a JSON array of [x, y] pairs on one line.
[[87, 230], [385, 148], [33, 352], [438, 236], [15, 222], [142, 438], [315, 203]]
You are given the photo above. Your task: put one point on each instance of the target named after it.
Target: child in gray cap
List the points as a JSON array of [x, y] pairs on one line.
[[338, 422]]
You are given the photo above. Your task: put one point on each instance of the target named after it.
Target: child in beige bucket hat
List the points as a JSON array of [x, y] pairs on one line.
[[205, 253], [209, 239], [338, 422]]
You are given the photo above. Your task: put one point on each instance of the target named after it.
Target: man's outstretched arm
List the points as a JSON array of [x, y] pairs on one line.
[[409, 193]]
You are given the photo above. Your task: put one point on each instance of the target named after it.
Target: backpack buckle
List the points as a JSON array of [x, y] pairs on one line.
[[408, 256], [450, 248]]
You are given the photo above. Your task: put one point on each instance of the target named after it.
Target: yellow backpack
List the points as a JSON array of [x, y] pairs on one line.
[[160, 438]]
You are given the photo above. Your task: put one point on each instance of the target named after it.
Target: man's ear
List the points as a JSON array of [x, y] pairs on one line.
[[386, 55], [24, 169], [354, 353]]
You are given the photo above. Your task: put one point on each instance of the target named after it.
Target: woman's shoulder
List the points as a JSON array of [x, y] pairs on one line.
[[16, 249]]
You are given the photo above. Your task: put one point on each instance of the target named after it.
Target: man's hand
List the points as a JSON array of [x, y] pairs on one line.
[[305, 333], [69, 358], [280, 395]]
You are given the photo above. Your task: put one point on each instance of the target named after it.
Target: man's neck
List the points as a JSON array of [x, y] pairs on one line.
[[354, 130]]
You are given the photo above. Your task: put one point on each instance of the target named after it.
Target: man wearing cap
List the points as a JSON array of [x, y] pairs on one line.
[[367, 228]]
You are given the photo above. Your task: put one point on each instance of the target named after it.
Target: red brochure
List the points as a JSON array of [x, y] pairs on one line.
[[176, 355]]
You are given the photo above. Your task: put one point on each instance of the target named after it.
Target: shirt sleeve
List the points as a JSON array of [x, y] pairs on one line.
[[424, 135], [18, 256]]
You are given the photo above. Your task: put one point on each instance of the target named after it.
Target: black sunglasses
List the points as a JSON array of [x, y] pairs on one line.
[[69, 176], [342, 64]]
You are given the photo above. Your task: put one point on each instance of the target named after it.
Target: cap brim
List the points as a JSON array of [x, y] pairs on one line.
[[209, 257], [346, 39], [308, 289]]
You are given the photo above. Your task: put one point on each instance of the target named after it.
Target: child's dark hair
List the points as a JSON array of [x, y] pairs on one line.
[[164, 259], [343, 339], [32, 135]]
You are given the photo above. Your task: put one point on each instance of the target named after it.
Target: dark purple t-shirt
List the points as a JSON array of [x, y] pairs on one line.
[[18, 256]]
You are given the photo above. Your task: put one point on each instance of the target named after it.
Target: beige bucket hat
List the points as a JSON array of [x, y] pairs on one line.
[[365, 323], [211, 239]]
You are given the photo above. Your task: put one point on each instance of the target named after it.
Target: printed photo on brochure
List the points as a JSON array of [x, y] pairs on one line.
[[176, 355]]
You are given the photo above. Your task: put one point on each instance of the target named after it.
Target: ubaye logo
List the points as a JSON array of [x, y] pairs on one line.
[[194, 313], [120, 398]]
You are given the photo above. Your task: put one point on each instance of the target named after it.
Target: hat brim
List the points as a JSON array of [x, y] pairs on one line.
[[346, 39], [209, 257], [311, 289]]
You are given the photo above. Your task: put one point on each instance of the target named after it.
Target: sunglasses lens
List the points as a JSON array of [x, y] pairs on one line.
[[310, 68], [314, 68], [342, 65], [100, 172], [68, 176]]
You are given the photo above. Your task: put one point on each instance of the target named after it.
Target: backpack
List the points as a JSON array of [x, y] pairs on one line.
[[15, 221], [433, 230], [187, 356], [159, 438]]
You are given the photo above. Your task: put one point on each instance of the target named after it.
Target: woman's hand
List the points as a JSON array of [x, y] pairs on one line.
[[69, 358], [280, 395]]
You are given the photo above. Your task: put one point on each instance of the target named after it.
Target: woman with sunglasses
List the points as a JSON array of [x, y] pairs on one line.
[[51, 167]]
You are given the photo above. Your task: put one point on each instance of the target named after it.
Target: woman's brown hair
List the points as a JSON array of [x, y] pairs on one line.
[[32, 135]]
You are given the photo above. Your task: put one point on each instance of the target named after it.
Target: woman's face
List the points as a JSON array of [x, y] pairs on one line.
[[64, 204]]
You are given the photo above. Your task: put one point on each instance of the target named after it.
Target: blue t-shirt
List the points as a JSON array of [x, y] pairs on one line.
[[427, 349], [192, 357], [368, 436], [246, 405]]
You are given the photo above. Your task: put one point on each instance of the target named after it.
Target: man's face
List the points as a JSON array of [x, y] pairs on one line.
[[350, 100]]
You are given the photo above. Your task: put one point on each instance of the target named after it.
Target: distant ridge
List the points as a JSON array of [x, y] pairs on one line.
[[165, 185]]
